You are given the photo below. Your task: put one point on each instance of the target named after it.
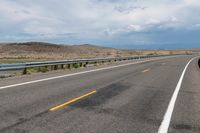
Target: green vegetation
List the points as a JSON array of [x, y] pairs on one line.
[[43, 69], [35, 70], [76, 65], [32, 70]]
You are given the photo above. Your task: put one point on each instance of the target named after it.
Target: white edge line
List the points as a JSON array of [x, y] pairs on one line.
[[168, 114], [78, 73]]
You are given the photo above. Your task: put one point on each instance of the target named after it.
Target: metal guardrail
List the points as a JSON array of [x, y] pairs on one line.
[[62, 63]]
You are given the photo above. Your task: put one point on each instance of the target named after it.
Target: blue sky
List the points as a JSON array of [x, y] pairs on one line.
[[114, 23]]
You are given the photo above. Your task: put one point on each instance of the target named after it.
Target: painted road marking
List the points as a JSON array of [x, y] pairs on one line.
[[163, 63], [168, 114], [72, 101], [78, 73], [144, 71]]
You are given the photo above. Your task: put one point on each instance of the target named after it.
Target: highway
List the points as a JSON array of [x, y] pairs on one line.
[[146, 96]]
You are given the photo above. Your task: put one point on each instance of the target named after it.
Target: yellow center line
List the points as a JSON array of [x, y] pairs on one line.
[[71, 101], [146, 70]]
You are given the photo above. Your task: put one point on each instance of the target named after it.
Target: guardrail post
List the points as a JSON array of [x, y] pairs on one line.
[[55, 67], [24, 71], [86, 63], [81, 64], [69, 66], [74, 65], [46, 68], [52, 67], [95, 63], [62, 66]]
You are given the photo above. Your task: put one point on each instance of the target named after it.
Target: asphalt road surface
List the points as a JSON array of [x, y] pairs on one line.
[[123, 98]]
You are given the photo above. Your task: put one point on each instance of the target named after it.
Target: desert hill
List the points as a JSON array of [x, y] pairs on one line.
[[47, 51]]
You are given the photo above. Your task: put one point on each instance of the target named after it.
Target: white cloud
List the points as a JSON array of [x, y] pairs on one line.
[[135, 28], [95, 18]]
